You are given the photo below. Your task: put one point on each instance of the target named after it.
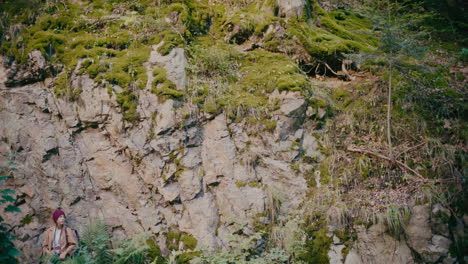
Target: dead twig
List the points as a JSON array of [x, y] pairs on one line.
[[410, 149], [401, 164]]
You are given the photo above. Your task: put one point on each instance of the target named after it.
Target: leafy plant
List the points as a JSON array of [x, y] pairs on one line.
[[395, 218], [96, 240], [243, 250], [396, 47], [133, 251], [8, 251]]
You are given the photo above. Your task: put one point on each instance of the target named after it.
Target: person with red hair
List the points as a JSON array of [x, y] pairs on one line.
[[59, 240]]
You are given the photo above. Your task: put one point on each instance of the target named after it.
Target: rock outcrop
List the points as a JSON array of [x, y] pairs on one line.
[[36, 69], [205, 177]]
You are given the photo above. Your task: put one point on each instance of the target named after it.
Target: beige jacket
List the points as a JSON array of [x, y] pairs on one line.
[[68, 240]]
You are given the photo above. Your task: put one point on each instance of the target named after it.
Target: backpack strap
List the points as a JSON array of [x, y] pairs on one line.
[[66, 236]]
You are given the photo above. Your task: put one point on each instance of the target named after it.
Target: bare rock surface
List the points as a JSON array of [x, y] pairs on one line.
[[203, 175], [375, 246], [36, 69], [291, 8]]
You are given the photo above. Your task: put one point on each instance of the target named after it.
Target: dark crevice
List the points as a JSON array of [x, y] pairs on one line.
[[77, 199], [50, 153]]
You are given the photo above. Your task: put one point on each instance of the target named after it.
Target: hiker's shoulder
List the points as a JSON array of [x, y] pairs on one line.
[[50, 229]]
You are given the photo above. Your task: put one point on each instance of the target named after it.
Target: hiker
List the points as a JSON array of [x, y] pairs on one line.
[[59, 240]]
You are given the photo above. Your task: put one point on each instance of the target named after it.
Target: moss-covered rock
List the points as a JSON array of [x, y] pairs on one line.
[[318, 242]]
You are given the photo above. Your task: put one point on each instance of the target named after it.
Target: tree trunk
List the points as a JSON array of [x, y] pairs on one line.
[[389, 108]]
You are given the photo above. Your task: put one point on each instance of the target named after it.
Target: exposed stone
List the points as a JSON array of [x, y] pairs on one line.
[[202, 220], [165, 119], [418, 229], [439, 245], [36, 69], [170, 192], [291, 8], [420, 237], [335, 255], [174, 63], [190, 184], [291, 114], [440, 211], [310, 146], [218, 151], [449, 260], [282, 182], [375, 246]]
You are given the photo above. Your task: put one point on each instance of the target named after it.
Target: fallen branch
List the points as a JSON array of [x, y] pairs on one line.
[[343, 68], [326, 65], [401, 164], [411, 148], [346, 75]]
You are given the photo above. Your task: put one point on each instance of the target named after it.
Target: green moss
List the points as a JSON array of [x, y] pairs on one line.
[[189, 242], [240, 184], [270, 125], [342, 98], [171, 40], [340, 32], [96, 68], [26, 220], [251, 20], [254, 184], [62, 87], [172, 240], [128, 104], [175, 239], [187, 256], [168, 90], [317, 242], [154, 252], [325, 176], [347, 238], [127, 67], [265, 71], [160, 76], [163, 87], [119, 77]]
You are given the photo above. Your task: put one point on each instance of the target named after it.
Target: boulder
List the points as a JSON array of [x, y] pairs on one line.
[[375, 246], [291, 8], [291, 114], [420, 237], [36, 69]]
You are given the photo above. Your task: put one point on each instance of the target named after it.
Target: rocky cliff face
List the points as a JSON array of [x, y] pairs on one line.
[[172, 170], [162, 164], [195, 173]]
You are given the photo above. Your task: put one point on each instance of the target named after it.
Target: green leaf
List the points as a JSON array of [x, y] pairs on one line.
[[3, 179], [7, 192], [8, 198], [12, 209], [14, 252]]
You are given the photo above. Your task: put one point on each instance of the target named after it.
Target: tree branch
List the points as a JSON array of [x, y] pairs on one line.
[[401, 164]]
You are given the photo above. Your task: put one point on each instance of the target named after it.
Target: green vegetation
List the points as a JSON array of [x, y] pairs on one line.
[[163, 87], [128, 103], [8, 251], [183, 245], [372, 143], [317, 243], [395, 219]]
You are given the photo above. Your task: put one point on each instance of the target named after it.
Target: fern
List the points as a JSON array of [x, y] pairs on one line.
[[76, 260], [97, 241], [133, 251]]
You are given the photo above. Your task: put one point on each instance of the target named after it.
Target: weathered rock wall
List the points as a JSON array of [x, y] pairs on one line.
[[173, 169], [170, 170]]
